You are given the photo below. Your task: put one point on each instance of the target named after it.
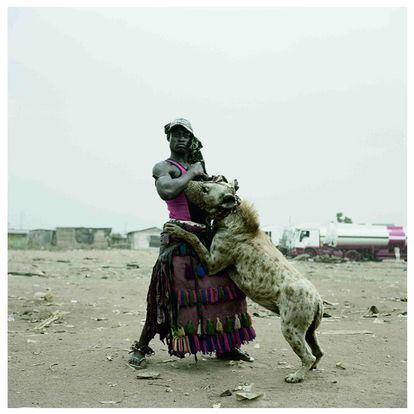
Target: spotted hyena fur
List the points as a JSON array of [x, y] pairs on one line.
[[257, 267]]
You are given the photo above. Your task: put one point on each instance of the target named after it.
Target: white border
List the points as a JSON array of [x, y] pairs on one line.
[[176, 3]]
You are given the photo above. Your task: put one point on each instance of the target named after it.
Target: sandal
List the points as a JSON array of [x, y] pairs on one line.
[[137, 359]]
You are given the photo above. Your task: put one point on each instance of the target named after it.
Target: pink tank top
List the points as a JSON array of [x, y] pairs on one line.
[[178, 207]]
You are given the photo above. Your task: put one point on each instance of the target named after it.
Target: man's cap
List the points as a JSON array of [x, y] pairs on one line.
[[178, 121]]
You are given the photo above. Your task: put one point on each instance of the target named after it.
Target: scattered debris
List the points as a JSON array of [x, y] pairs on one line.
[[373, 309], [263, 314], [239, 364], [132, 266], [226, 393], [63, 261], [257, 346], [325, 302], [168, 389], [109, 357], [39, 274], [302, 257], [109, 402], [10, 318], [149, 375], [217, 405], [340, 365], [46, 296], [241, 395], [346, 332], [328, 259], [53, 318], [326, 315]]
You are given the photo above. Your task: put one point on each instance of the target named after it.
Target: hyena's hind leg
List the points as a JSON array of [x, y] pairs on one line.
[[295, 336]]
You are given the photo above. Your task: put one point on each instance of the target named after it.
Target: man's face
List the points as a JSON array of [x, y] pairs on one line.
[[180, 139]]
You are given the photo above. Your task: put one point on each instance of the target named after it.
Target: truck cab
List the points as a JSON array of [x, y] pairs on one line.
[[304, 240]]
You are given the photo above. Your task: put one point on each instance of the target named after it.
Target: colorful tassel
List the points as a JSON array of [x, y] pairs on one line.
[[226, 343], [237, 323], [180, 332], [219, 326], [209, 344], [186, 345], [238, 340], [203, 345], [229, 293], [183, 297], [203, 296], [196, 344], [189, 329], [190, 298], [246, 334], [217, 344], [252, 332], [232, 340], [201, 272], [229, 324], [199, 328], [210, 328], [209, 295]]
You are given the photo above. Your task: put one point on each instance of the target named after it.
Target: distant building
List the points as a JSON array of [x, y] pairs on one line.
[[145, 238], [41, 238], [17, 239], [118, 241], [83, 237]]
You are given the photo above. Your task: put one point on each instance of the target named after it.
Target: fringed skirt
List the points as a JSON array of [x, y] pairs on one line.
[[195, 312]]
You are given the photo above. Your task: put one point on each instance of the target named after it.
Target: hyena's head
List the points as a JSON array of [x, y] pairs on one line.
[[214, 197]]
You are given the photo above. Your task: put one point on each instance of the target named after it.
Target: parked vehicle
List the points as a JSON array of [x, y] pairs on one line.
[[353, 241]]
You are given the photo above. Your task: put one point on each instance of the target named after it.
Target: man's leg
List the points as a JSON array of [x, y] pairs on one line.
[[140, 348]]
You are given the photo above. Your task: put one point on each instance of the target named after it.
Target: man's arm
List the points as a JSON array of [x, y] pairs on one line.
[[169, 187]]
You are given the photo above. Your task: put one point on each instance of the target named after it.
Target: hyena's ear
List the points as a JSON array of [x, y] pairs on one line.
[[235, 184]]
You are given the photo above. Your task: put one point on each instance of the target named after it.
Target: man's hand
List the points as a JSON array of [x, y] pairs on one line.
[[197, 170]]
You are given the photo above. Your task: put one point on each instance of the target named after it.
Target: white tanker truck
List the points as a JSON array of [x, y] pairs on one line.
[[353, 241]]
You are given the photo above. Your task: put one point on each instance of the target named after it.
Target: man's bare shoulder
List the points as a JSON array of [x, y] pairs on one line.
[[162, 168]]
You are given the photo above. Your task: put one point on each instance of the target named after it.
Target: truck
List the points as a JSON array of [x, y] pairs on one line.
[[352, 241]]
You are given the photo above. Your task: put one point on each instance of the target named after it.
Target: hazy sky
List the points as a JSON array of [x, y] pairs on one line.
[[306, 107]]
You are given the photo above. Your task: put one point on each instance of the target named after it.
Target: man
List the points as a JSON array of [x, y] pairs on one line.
[[191, 311]]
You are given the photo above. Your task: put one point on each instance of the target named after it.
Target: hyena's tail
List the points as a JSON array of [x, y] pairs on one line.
[[311, 338]]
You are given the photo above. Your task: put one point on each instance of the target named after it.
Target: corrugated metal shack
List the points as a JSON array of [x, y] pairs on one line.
[[17, 238], [41, 238], [145, 238]]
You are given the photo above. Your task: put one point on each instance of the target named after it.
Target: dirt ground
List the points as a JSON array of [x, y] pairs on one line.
[[79, 360]]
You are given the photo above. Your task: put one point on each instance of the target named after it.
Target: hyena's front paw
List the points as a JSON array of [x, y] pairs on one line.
[[294, 378], [174, 230]]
